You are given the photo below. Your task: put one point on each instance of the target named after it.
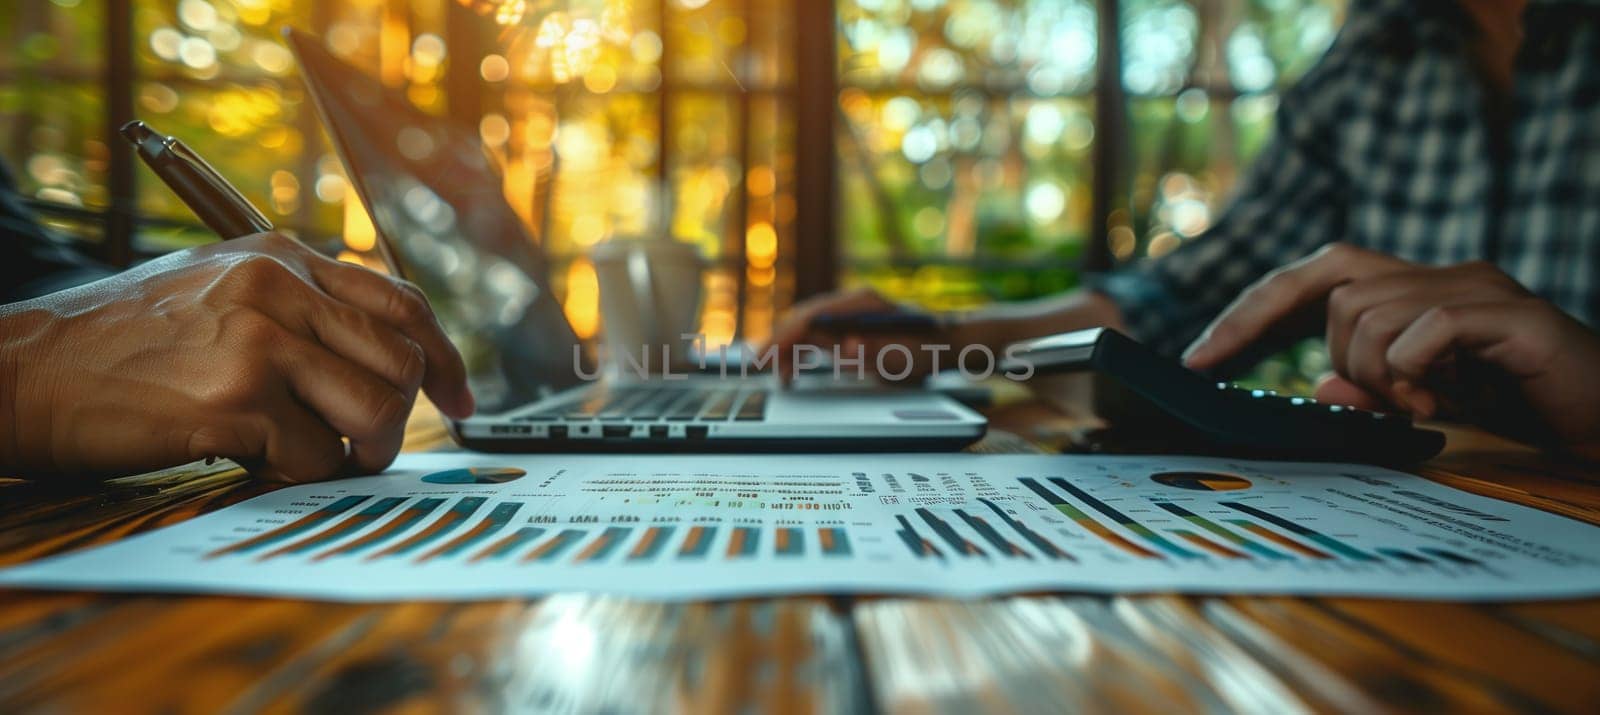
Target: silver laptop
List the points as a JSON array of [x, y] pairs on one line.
[[442, 222]]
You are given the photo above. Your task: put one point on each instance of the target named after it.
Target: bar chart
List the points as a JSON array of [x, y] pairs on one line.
[[1045, 547], [1231, 537], [455, 516], [958, 544], [919, 546], [1331, 544], [1086, 522], [1252, 534], [688, 527], [492, 524], [337, 531], [408, 518], [295, 528], [476, 530]]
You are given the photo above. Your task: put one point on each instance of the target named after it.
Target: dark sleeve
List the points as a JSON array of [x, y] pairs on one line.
[[33, 261], [1290, 201]]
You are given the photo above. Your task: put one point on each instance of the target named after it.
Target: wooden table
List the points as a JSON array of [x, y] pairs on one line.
[[93, 652]]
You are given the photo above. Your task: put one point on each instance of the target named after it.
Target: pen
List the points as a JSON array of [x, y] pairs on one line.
[[218, 205]]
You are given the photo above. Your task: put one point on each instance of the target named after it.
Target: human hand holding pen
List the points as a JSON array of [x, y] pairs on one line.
[[258, 349]]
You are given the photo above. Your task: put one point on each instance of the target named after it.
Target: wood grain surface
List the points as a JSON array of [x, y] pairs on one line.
[[103, 653]]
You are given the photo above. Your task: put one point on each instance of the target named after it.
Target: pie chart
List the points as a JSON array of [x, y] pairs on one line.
[[1202, 481], [474, 475]]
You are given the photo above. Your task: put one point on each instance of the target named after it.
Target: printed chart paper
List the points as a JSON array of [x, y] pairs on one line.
[[468, 526]]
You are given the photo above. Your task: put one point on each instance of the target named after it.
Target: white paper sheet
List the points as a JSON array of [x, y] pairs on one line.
[[956, 525]]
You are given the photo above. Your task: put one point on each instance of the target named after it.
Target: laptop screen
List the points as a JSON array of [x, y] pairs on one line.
[[442, 222]]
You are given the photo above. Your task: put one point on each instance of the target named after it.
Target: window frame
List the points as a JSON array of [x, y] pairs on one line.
[[818, 258]]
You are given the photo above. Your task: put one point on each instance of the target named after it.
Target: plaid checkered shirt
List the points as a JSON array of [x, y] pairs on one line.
[[1386, 144]]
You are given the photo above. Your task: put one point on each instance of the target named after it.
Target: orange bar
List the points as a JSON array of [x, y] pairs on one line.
[[736, 543], [696, 533], [471, 533], [1116, 539], [446, 521], [400, 522], [783, 540], [643, 547], [1283, 541], [1217, 549], [491, 548], [593, 548], [825, 537], [555, 542], [329, 535], [302, 524]]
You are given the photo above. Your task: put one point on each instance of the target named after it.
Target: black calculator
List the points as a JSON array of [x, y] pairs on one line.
[[1137, 388]]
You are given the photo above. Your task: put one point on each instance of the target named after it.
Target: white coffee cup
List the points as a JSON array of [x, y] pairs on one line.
[[650, 292]]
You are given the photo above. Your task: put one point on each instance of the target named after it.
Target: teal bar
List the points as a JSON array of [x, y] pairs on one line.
[[700, 548], [306, 523], [558, 544], [521, 537], [752, 539], [840, 545], [1331, 543], [663, 533], [349, 526], [1126, 521], [614, 536], [1404, 556], [792, 542], [1223, 532], [497, 520], [1452, 556]]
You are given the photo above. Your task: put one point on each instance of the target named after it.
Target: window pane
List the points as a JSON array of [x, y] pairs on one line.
[[599, 46], [1198, 123], [999, 184], [205, 40], [1200, 120], [1158, 45], [963, 154], [704, 171], [771, 49], [769, 244], [216, 75], [578, 105], [248, 132], [52, 123], [56, 40], [705, 40], [1045, 46], [53, 137], [1185, 158], [1291, 35], [605, 164]]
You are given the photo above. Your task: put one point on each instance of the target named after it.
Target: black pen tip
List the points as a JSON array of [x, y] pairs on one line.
[[137, 131]]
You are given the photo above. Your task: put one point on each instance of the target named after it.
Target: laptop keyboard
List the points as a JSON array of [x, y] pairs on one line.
[[636, 403]]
